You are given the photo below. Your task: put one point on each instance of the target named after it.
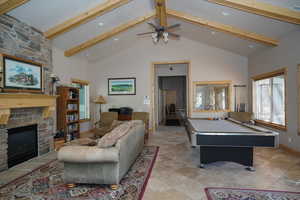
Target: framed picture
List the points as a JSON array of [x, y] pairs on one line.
[[21, 75], [121, 86]]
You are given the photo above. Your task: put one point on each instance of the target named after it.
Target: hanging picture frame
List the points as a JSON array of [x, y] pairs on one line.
[[122, 86], [20, 75]]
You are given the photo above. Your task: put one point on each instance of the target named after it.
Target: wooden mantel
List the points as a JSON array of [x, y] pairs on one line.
[[15, 100]]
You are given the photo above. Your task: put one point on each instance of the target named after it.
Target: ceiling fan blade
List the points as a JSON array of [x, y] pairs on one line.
[[153, 26], [145, 33], [173, 26], [174, 35]]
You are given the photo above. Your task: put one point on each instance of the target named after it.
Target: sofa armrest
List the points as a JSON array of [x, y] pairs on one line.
[[87, 154]]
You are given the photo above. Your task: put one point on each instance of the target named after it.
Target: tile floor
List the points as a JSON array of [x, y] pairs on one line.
[[176, 175]]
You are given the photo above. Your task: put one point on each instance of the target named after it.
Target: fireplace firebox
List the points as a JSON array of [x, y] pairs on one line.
[[22, 144]]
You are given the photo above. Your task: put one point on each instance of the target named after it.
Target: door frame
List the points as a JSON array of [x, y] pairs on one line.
[[153, 89]]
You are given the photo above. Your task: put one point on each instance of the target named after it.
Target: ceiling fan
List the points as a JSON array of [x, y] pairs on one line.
[[161, 31]]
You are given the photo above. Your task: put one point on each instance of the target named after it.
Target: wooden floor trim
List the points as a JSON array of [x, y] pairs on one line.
[[289, 150]]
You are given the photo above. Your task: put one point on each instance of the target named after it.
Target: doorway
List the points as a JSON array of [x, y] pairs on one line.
[[170, 94], [171, 100]]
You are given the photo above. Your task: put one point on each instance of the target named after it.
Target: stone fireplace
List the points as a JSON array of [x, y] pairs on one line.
[[22, 110], [23, 41], [25, 117]]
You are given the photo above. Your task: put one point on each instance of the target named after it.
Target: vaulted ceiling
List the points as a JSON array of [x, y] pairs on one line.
[[219, 23]]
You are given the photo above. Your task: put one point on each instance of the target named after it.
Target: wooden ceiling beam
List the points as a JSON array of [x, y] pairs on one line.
[[263, 9], [107, 35], [161, 12], [224, 28], [84, 17], [8, 5]]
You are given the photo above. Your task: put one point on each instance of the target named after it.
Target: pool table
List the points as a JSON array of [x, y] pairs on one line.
[[228, 140]]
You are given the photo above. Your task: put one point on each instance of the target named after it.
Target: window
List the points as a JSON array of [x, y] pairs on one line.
[[269, 99], [84, 96]]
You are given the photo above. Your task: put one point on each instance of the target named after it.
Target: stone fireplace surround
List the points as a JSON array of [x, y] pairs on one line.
[[21, 40], [23, 117]]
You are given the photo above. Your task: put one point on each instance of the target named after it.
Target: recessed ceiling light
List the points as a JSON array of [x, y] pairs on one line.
[[213, 32], [225, 13], [116, 39], [251, 46], [100, 24]]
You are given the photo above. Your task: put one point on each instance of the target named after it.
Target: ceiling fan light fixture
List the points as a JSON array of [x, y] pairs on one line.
[[154, 37], [225, 13], [165, 37]]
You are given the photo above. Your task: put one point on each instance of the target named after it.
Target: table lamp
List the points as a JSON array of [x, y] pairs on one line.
[[100, 100]]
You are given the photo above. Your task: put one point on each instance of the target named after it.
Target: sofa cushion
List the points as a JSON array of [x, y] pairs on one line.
[[111, 138], [86, 154]]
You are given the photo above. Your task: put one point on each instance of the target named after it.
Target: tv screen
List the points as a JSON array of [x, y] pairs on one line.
[[23, 75]]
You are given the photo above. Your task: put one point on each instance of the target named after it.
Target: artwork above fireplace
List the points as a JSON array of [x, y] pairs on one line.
[[21, 75]]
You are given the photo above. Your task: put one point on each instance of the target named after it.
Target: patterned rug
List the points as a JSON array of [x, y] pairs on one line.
[[46, 183], [249, 194]]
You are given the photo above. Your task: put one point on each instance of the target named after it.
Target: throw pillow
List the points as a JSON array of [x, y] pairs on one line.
[[100, 132], [111, 138], [82, 142]]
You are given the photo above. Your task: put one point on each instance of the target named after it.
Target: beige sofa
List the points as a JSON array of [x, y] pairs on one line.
[[94, 165]]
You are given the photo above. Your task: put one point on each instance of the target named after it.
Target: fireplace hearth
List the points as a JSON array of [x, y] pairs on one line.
[[22, 144]]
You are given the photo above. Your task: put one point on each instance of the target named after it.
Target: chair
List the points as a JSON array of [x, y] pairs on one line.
[[104, 125], [125, 113], [144, 116], [172, 108], [244, 117]]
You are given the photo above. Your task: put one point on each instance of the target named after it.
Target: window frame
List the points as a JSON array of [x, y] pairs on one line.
[[86, 83], [279, 72]]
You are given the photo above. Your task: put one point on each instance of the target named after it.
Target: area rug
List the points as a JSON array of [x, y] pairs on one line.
[[214, 193], [46, 183]]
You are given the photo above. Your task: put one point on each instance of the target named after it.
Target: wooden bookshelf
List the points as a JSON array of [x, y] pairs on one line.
[[68, 112]]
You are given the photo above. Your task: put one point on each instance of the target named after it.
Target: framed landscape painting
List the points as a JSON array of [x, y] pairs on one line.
[[19, 74], [121, 86]]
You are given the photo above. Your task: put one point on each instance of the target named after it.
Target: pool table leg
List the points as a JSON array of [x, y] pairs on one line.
[[241, 155], [250, 168]]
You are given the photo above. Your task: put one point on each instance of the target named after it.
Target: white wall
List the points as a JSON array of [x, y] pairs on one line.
[[207, 64], [287, 54], [67, 68]]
